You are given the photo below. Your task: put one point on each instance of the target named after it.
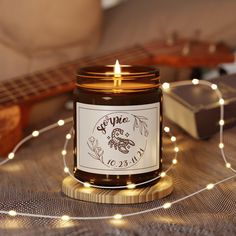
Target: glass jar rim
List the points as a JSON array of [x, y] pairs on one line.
[[107, 71], [132, 78]]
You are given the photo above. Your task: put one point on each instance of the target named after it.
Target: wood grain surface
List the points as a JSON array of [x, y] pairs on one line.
[[75, 190]]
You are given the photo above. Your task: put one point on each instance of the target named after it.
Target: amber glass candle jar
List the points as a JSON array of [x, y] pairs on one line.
[[118, 125]]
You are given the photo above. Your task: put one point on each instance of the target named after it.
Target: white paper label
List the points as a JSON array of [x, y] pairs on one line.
[[118, 140]]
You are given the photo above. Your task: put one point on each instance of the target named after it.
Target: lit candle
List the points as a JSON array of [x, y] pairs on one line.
[[118, 123], [117, 76]]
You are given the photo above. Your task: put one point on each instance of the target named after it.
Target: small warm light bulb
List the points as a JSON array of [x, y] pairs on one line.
[[35, 133], [221, 145], [117, 216], [222, 101], [163, 174], [117, 69], [174, 161], [131, 186], [214, 86], [166, 205], [61, 122], [173, 138], [210, 186], [66, 170], [221, 122], [167, 129], [12, 213], [195, 81], [176, 149], [165, 86], [65, 217], [87, 185], [11, 155], [228, 165], [68, 136], [63, 152]]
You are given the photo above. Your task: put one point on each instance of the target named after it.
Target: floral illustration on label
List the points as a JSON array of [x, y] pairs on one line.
[[119, 139], [96, 151], [139, 122]]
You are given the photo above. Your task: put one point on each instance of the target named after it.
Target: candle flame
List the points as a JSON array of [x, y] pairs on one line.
[[117, 75], [117, 69]]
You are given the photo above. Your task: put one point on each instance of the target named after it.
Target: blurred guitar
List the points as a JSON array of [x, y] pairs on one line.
[[18, 94]]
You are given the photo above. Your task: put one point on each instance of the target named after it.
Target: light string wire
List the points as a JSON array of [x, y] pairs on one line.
[[221, 101], [166, 205], [130, 185]]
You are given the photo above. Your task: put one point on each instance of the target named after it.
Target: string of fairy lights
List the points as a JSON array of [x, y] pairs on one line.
[[118, 216]]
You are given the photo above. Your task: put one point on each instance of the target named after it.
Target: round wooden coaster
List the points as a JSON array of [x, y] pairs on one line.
[[75, 190]]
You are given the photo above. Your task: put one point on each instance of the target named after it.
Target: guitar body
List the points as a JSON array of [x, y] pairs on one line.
[[10, 128]]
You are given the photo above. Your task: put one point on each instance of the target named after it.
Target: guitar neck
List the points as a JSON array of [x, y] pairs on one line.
[[61, 79]]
